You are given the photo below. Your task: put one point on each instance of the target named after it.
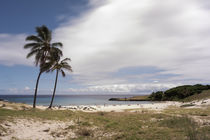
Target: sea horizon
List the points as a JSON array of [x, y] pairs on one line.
[[68, 100]]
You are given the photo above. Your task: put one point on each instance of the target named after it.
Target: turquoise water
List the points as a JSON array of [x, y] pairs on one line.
[[71, 99]]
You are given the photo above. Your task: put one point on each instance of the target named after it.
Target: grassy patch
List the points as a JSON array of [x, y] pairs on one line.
[[124, 125], [134, 98], [186, 126], [36, 113], [203, 95], [85, 132], [187, 105], [188, 111]]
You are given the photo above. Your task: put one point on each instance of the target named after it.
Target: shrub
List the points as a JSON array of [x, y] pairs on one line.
[[157, 96], [178, 93], [85, 132]]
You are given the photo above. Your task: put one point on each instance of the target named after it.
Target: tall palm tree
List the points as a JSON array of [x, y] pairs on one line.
[[60, 67], [41, 47]]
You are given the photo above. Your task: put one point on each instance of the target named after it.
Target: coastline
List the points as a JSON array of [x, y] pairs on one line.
[[101, 121], [158, 106]]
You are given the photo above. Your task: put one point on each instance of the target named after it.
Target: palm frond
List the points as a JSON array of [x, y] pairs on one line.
[[54, 68], [33, 38], [47, 32], [39, 58], [46, 67], [34, 52], [57, 44], [38, 46], [40, 33], [30, 45], [56, 51], [67, 67], [66, 59], [63, 73], [44, 33]]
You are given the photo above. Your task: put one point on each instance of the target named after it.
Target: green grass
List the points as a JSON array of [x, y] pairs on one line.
[[124, 125], [188, 111], [187, 105], [203, 95], [134, 98], [186, 125], [36, 113]]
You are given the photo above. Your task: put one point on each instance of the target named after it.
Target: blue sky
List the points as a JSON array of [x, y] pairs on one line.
[[116, 46], [21, 16]]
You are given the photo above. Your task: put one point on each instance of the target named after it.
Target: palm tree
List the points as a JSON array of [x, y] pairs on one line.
[[60, 67], [41, 47]]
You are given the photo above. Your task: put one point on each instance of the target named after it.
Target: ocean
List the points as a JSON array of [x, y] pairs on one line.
[[66, 100]]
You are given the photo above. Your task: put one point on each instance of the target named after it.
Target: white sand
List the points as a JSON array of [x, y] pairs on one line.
[[151, 106], [119, 108], [35, 129]]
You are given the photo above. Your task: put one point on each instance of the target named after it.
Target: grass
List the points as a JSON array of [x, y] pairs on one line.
[[134, 98], [85, 132], [36, 113], [203, 95], [187, 105], [173, 123], [187, 125], [188, 111]]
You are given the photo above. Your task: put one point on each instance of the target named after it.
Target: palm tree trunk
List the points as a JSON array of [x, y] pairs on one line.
[[37, 83], [56, 79]]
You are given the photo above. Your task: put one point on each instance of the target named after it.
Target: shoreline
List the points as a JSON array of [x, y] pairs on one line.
[[65, 122], [158, 106]]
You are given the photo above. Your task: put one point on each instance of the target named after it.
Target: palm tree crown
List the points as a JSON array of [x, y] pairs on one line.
[[63, 65], [41, 45]]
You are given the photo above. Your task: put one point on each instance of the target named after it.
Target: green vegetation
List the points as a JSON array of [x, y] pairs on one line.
[[181, 93], [204, 94], [185, 93], [147, 125], [135, 98], [156, 96], [35, 113], [187, 105]]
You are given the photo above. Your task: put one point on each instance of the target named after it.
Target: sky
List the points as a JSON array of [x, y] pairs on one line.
[[116, 46]]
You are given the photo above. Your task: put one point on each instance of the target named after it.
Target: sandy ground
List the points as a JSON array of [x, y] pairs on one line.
[[34, 129], [110, 108], [39, 129], [120, 108]]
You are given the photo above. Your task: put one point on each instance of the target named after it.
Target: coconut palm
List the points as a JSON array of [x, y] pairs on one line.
[[41, 47], [60, 67]]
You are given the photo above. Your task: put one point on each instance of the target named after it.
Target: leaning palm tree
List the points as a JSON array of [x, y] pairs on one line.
[[40, 47], [60, 67]]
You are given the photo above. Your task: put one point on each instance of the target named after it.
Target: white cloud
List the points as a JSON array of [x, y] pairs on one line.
[[27, 88], [11, 50], [124, 88], [171, 35]]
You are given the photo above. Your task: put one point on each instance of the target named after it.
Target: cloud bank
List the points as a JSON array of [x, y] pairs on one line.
[[12, 52], [172, 37]]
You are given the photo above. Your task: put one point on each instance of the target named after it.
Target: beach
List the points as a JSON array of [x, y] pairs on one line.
[[100, 121], [158, 106]]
